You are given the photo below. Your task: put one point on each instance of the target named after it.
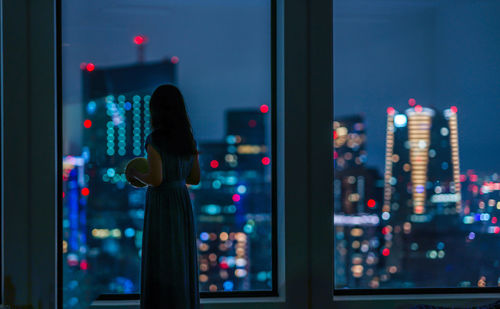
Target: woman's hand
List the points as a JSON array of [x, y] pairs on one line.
[[131, 173]]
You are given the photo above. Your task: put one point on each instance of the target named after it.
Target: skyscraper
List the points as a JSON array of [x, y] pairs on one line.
[[116, 123], [422, 193], [422, 162], [357, 202]]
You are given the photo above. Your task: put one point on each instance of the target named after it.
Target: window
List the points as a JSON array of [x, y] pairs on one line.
[[417, 187], [113, 56]]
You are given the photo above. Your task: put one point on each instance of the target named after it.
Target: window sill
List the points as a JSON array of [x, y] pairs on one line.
[[491, 296], [236, 300]]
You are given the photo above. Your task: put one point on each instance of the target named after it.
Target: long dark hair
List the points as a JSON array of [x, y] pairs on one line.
[[170, 121]]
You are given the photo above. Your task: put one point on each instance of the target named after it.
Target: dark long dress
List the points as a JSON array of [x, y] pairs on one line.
[[169, 266]]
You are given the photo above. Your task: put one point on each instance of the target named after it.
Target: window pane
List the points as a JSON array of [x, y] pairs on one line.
[[114, 54], [417, 189]]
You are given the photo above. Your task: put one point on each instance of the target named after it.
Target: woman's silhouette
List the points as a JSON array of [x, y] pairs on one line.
[[169, 268]]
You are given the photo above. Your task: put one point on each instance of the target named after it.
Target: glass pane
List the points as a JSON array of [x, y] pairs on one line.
[[114, 54], [417, 189]]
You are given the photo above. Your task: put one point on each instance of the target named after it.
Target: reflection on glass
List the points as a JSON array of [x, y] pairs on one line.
[[114, 56], [417, 188]]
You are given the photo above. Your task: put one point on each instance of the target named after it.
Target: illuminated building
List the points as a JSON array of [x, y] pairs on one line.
[[233, 205], [115, 125], [357, 205], [349, 142], [422, 164], [422, 198]]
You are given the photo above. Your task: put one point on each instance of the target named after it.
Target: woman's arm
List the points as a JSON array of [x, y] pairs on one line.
[[194, 175], [154, 176]]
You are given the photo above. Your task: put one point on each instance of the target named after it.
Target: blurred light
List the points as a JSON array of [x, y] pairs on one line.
[[454, 109], [472, 235], [412, 102], [386, 252], [204, 236], [444, 165], [174, 59], [241, 189], [214, 164], [264, 108], [494, 220], [252, 123], [87, 123], [391, 110], [266, 160], [418, 109], [90, 67], [248, 228], [371, 203], [236, 197], [261, 276], [419, 189], [400, 120], [212, 209], [140, 39], [228, 286], [240, 273], [110, 172], [129, 232], [231, 139], [127, 106], [386, 215], [85, 191], [216, 184], [84, 265], [91, 107], [356, 232]]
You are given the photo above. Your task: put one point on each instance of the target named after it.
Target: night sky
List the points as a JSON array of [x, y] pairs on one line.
[[223, 47], [441, 53]]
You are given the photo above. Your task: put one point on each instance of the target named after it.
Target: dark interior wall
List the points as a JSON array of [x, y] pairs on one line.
[[29, 154]]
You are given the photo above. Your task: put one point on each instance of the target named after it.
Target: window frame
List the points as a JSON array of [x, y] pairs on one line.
[[274, 184], [2, 271], [305, 268], [389, 298]]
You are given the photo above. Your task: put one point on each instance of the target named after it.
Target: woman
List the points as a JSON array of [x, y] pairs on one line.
[[169, 268]]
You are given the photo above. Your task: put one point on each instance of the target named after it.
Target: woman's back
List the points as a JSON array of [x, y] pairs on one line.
[[174, 167], [169, 269]]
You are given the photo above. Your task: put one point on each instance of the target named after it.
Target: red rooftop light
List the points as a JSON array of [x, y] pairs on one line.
[[264, 108], [85, 191], [266, 160], [418, 108], [140, 39], [90, 67], [454, 109], [236, 197], [412, 102], [87, 123], [391, 111], [214, 164], [174, 59], [371, 203]]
